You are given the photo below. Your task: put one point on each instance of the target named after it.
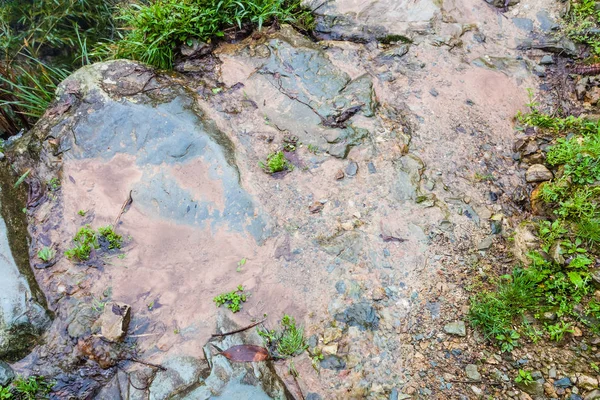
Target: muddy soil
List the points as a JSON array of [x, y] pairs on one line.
[[399, 124]]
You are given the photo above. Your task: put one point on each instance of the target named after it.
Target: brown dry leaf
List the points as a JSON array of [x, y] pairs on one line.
[[246, 353]]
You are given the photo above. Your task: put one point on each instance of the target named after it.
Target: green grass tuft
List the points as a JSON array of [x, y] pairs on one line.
[[85, 240], [156, 29]]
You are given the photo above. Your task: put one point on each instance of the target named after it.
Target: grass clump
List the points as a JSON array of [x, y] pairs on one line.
[[232, 300], [115, 241], [156, 29], [85, 240], [287, 342], [40, 42], [32, 388], [46, 254], [555, 293], [276, 162]]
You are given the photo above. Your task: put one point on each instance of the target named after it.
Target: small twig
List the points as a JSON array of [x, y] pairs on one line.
[[123, 209], [482, 382], [238, 330], [145, 363]]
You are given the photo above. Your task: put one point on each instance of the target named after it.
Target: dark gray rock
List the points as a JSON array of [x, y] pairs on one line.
[[433, 92], [333, 362], [559, 46], [362, 315], [547, 60], [547, 24], [6, 374], [524, 24], [371, 167], [563, 383], [351, 169]]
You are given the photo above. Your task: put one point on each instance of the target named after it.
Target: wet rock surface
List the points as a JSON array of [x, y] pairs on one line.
[[406, 180], [22, 318]]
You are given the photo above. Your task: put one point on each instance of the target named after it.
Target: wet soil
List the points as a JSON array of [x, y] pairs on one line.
[[385, 257]]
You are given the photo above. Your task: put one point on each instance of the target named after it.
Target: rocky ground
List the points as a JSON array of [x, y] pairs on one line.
[[408, 177]]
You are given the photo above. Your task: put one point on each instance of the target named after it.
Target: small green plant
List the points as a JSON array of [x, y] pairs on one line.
[[115, 241], [240, 264], [508, 340], [484, 177], [276, 162], [557, 331], [85, 240], [232, 300], [312, 149], [32, 388], [287, 342], [5, 393], [54, 184], [46, 253], [524, 377], [81, 213], [595, 367]]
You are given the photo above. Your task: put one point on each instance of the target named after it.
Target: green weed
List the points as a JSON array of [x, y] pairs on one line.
[[232, 300], [276, 162], [46, 254], [558, 330], [32, 388], [54, 184], [524, 377], [85, 240], [287, 342], [115, 241]]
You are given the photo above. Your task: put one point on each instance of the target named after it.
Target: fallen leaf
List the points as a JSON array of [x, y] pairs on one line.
[[246, 353]]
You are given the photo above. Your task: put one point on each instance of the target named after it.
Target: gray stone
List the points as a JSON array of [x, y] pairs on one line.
[[351, 168], [6, 374], [371, 167], [361, 314], [593, 395], [560, 45], [472, 373], [433, 92], [563, 383], [538, 173], [547, 60], [333, 362], [525, 24], [547, 24], [485, 243], [539, 70], [534, 388], [181, 373], [456, 328]]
